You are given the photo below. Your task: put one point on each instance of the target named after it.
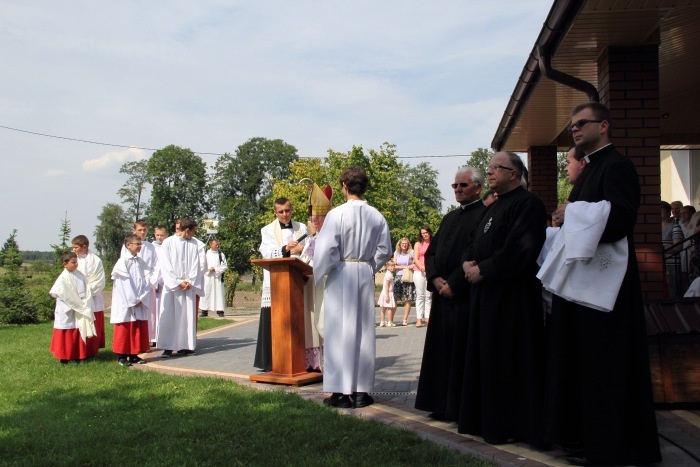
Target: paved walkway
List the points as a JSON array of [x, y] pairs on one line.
[[228, 351]]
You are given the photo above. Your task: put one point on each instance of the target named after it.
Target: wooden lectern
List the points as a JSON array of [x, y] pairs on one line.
[[287, 316]]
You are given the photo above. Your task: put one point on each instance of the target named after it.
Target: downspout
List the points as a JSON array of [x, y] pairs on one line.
[[560, 18], [545, 62]]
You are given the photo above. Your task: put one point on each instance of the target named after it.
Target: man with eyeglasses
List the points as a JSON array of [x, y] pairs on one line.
[[442, 370], [599, 399], [504, 371], [279, 240]]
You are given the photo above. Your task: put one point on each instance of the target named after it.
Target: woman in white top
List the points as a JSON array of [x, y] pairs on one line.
[[423, 296], [403, 291]]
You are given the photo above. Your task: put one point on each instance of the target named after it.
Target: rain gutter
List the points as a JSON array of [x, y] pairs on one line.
[[558, 22]]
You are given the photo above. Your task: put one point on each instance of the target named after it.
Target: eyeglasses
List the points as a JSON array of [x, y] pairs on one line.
[[581, 123], [460, 184], [494, 167]]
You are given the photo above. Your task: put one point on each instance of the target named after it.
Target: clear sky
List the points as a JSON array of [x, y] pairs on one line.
[[431, 77]]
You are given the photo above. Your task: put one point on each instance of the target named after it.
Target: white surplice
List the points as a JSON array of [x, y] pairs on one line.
[[149, 255], [74, 306], [273, 239], [213, 298], [91, 266], [179, 262], [131, 292], [578, 267], [352, 246]]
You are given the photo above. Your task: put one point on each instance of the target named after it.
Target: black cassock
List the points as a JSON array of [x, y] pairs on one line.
[[440, 381], [598, 380], [503, 385]]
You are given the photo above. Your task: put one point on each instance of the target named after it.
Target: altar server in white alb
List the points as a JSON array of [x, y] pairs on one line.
[[352, 246], [150, 257], [160, 233], [214, 298], [131, 298], [91, 266], [183, 280], [73, 324]]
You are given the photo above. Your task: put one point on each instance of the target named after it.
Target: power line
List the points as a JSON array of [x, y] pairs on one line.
[[196, 152]]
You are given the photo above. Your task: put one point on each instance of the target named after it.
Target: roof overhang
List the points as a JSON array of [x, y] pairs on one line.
[[575, 34]]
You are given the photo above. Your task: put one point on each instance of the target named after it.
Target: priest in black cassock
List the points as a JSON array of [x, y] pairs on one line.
[[440, 381], [599, 401], [502, 392]]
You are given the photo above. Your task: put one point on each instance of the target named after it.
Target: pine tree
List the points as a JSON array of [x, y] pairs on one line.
[[10, 255], [64, 236]]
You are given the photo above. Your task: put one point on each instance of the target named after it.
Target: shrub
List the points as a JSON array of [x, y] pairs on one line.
[[16, 305], [44, 303]]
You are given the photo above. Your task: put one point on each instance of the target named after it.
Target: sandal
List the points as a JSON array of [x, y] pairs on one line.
[[405, 323]]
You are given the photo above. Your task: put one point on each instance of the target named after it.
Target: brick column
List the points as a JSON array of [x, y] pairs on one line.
[[629, 86], [542, 164]]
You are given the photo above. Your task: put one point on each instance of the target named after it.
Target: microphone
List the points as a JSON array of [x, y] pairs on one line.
[[301, 239]]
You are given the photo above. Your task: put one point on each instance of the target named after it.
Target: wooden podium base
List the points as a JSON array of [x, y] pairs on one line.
[[287, 321], [299, 379]]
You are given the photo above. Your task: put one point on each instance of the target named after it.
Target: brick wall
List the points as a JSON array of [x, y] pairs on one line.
[[629, 86], [542, 161]]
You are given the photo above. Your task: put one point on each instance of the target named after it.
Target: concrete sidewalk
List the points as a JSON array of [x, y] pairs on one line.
[[228, 352]]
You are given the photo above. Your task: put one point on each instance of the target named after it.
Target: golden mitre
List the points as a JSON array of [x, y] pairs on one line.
[[321, 200]]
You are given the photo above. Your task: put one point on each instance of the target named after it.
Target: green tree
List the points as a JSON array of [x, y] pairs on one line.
[[110, 232], [10, 255], [563, 190], [480, 159], [242, 187], [178, 179], [250, 172], [16, 304], [422, 183], [564, 186], [400, 192], [64, 237], [561, 164], [133, 191]]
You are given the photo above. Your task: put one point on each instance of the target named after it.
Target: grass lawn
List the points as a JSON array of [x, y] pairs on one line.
[[98, 413]]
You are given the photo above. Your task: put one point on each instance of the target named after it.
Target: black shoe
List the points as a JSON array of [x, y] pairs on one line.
[[339, 401], [220, 313], [581, 460], [203, 313], [499, 441], [362, 399], [437, 416], [167, 354], [123, 362], [135, 359], [64, 362], [186, 352], [573, 448]]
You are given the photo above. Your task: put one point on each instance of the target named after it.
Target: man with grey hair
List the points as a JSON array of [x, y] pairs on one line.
[[440, 381], [502, 393]]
